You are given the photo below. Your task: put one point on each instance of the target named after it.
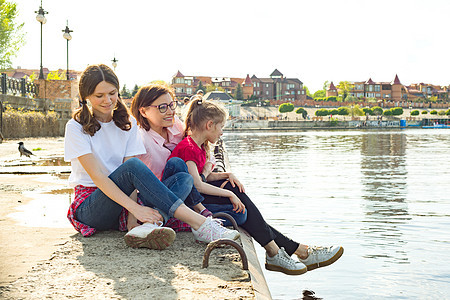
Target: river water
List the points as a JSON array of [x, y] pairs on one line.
[[382, 195]]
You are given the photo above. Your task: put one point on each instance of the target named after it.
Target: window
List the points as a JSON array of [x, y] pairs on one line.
[[377, 95], [179, 90], [267, 85], [377, 88], [179, 80], [267, 92], [257, 84], [188, 82], [370, 88], [298, 92], [189, 91], [386, 87], [254, 84]]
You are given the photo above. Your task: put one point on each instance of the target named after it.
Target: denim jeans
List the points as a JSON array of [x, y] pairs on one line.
[[240, 217], [174, 166], [102, 213]]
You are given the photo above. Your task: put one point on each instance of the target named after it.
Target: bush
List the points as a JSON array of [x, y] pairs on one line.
[[368, 111], [397, 111], [441, 112], [424, 112], [433, 112], [387, 112], [18, 124], [286, 107], [377, 110], [334, 111], [332, 98], [447, 112], [302, 111], [322, 112], [415, 113], [343, 111]]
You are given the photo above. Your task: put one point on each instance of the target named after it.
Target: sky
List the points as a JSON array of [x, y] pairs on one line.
[[315, 41]]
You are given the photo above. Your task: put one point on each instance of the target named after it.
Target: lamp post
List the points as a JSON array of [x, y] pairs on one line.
[[41, 19], [114, 63], [68, 37]]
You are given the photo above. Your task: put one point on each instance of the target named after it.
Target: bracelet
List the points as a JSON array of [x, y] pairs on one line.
[[203, 177]]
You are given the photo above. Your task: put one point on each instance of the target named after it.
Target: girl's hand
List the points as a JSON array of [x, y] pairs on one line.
[[147, 215], [238, 206], [234, 181]]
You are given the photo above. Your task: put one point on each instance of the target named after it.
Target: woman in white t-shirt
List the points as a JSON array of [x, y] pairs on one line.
[[100, 143]]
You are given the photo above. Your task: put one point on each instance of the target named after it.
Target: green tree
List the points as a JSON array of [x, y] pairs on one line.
[[308, 93], [415, 112], [344, 88], [387, 112], [239, 94], [319, 94], [368, 111], [325, 85], [322, 112], [377, 110], [397, 111], [135, 90], [11, 35], [343, 111], [213, 88], [286, 107], [125, 93], [200, 87], [357, 111], [302, 111]]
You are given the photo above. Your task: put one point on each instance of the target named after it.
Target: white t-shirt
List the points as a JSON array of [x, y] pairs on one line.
[[110, 145]]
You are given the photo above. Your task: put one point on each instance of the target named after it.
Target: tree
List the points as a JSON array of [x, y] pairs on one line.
[[368, 111], [415, 112], [200, 87], [344, 88], [135, 90], [387, 112], [302, 111], [377, 110], [307, 91], [239, 94], [213, 88], [125, 93], [397, 111], [286, 107], [356, 111], [55, 75], [343, 111], [319, 94], [433, 112], [424, 112], [325, 85], [11, 36]]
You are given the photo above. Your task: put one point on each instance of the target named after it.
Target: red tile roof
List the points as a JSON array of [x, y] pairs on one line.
[[332, 87], [248, 80], [396, 80], [178, 74], [370, 81]]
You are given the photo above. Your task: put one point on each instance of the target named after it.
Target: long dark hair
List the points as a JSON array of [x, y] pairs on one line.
[[201, 111], [145, 97], [89, 80]]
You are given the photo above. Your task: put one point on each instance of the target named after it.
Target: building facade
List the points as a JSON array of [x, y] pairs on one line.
[[276, 87]]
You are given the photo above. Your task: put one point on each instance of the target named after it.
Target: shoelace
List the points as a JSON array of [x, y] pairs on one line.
[[216, 225]]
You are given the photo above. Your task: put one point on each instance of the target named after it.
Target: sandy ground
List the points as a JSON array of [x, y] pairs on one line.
[[42, 256]]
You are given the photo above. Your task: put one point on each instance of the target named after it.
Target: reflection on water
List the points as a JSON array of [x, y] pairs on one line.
[[384, 191], [382, 195]]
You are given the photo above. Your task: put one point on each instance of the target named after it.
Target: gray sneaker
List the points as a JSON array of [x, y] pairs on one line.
[[212, 230], [150, 236], [322, 256], [282, 262]]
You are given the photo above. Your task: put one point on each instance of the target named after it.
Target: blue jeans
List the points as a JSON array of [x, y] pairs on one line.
[[240, 218], [174, 166], [102, 213]]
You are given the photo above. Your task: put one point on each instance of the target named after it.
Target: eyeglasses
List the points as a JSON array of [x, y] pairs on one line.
[[163, 107]]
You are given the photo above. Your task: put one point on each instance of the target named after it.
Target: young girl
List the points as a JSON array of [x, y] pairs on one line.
[[204, 123], [100, 143]]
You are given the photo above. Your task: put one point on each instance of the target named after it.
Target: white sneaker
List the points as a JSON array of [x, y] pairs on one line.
[[150, 236], [322, 256], [211, 230], [282, 262]]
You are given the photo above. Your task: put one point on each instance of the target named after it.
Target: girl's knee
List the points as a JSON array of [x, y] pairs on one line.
[[177, 164], [185, 178]]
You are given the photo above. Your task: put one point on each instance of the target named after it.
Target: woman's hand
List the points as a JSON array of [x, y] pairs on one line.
[[238, 206], [147, 215], [234, 181]]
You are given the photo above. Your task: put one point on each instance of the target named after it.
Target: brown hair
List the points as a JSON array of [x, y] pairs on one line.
[[89, 80], [201, 111], [145, 97]]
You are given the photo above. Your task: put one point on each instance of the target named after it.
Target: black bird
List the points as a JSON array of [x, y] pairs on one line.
[[23, 150]]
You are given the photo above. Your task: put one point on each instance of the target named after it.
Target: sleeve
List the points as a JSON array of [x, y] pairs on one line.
[[187, 153], [135, 144], [76, 142]]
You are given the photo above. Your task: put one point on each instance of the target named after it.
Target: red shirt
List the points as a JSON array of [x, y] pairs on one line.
[[187, 150]]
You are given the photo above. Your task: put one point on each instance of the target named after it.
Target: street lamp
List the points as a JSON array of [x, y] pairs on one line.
[[114, 63], [68, 37], [41, 19]]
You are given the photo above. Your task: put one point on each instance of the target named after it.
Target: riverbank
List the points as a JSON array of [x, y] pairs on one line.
[[42, 256]]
